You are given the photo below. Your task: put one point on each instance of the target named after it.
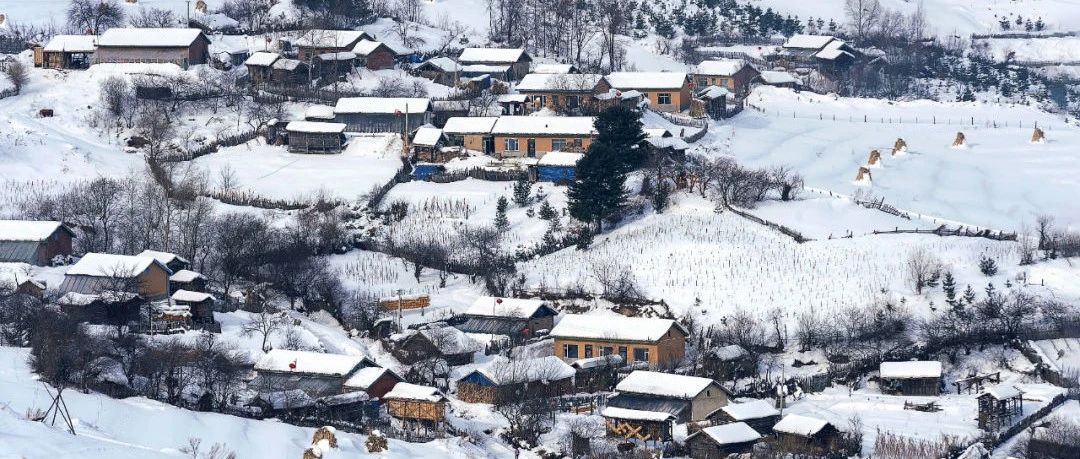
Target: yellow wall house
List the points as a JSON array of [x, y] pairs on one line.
[[533, 136], [732, 74], [96, 273], [659, 342], [470, 132], [562, 92], [666, 91]]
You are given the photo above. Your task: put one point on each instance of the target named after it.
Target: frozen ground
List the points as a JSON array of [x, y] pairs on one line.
[[1062, 354], [272, 172], [1047, 50]]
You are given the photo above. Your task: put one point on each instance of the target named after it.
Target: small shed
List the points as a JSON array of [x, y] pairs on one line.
[[315, 137], [779, 79], [505, 380], [441, 70], [374, 55], [803, 434], [68, 52], [185, 279], [998, 405], [200, 304], [289, 72], [34, 242], [260, 66], [31, 287], [412, 402], [171, 260], [911, 378], [436, 341], [557, 167], [596, 374], [758, 414], [516, 318], [638, 425], [375, 381], [717, 442], [714, 101], [425, 144]]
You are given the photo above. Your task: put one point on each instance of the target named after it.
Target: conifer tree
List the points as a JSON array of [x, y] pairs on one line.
[[521, 192], [948, 284], [501, 222], [598, 192]]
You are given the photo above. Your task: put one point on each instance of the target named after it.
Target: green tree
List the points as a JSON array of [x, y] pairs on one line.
[[598, 191], [621, 128], [948, 284], [521, 191], [501, 222]]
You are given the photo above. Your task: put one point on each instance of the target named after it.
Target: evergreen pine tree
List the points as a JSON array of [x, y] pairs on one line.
[[598, 191], [948, 284], [521, 192], [584, 238], [620, 127], [969, 295], [660, 196], [987, 266], [501, 222]]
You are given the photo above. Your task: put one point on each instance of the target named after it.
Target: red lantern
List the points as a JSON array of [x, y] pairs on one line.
[[292, 365], [498, 300]]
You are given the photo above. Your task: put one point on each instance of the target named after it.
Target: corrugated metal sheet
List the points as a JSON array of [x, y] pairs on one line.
[[492, 326], [679, 408], [19, 251], [87, 284]]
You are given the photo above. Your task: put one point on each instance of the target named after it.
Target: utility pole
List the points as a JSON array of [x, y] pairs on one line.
[[188, 14]]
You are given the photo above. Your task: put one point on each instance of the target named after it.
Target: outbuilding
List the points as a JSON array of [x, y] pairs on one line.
[[182, 47], [374, 381], [665, 91], [68, 52], [517, 318], [315, 137], [558, 167], [759, 414], [512, 62], [383, 114], [911, 378], [96, 273], [34, 242], [805, 435], [688, 398], [374, 55], [717, 442], [504, 380], [201, 305]]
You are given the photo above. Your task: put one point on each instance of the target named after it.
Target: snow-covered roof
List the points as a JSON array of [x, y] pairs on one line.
[[729, 352], [322, 38], [262, 59], [338, 56], [663, 384], [559, 158], [185, 276], [803, 41], [83, 299], [163, 257], [490, 55], [72, 43], [545, 125], [656, 132], [189, 296], [315, 127], [216, 21], [727, 434], [595, 362], [800, 425], [636, 415], [308, 362], [778, 77], [443, 63], [502, 371], [511, 98], [722, 67], [321, 112], [614, 327], [27, 230], [833, 50], [110, 265], [427, 136], [911, 370], [1003, 391], [287, 64], [413, 105], [149, 37], [469, 124], [485, 68], [450, 340], [668, 142], [365, 377], [754, 409], [582, 82], [714, 92], [488, 306], [409, 391], [553, 68], [646, 80], [365, 47]]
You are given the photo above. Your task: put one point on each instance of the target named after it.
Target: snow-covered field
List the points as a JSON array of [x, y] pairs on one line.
[[272, 172], [1042, 50]]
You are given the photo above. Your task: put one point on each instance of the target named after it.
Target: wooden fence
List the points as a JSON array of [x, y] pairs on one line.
[[212, 147], [797, 236], [880, 205], [682, 120], [479, 174], [959, 231]]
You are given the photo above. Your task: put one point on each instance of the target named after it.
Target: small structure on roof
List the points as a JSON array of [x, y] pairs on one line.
[[911, 378], [34, 242], [718, 442], [201, 305], [504, 380], [185, 279], [435, 342], [315, 137], [425, 405], [638, 340], [558, 167], [519, 319], [374, 381], [803, 434], [101, 272], [178, 46], [66, 52], [759, 414], [383, 114], [688, 398], [998, 405], [514, 62], [316, 374]]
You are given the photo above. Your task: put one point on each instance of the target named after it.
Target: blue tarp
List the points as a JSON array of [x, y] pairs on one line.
[[556, 174], [423, 171]]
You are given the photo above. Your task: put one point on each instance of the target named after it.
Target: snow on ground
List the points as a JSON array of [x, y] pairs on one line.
[[46, 12], [1061, 354], [272, 172], [138, 427], [818, 217], [1048, 49], [1000, 181]]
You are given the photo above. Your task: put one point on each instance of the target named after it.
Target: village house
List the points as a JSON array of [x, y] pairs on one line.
[[823, 50], [315, 137], [638, 425], [316, 374], [759, 414], [805, 435], [441, 70], [66, 52], [260, 66], [442, 110], [597, 374], [382, 114], [31, 287], [534, 136], [638, 340], [731, 74], [714, 102], [334, 65], [171, 260], [563, 93], [688, 398], [34, 242], [186, 279], [717, 442], [182, 47], [435, 342], [96, 273], [199, 304], [911, 378], [290, 72], [415, 403], [519, 319], [665, 91], [373, 55], [513, 62], [558, 167], [228, 51], [555, 68], [473, 133], [315, 42], [374, 381], [425, 144], [505, 380]]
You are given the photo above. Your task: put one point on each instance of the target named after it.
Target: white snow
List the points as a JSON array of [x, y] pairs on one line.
[[910, 370], [111, 265], [502, 371], [262, 59], [504, 307], [72, 43], [427, 136], [469, 124], [148, 37], [635, 415], [490, 55], [27, 230], [366, 47], [409, 391], [646, 80], [559, 158], [736, 432], [800, 425], [722, 67], [162, 257], [319, 112], [778, 77], [804, 41], [544, 125], [552, 68], [190, 296], [279, 360], [185, 276], [582, 82], [322, 38], [315, 127], [411, 105], [754, 409], [612, 327], [1003, 391], [663, 384], [364, 378]]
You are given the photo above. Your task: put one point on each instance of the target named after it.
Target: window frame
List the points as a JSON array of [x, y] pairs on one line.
[[566, 350], [644, 352], [507, 142], [660, 96]]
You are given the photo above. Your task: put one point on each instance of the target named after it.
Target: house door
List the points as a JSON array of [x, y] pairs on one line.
[[489, 145], [531, 149]]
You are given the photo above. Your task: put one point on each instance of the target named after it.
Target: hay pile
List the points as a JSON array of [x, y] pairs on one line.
[[1038, 136], [900, 146], [960, 141], [864, 175], [874, 159]]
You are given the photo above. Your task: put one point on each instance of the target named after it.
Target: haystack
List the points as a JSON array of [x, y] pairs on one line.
[[874, 159], [960, 140], [313, 452], [864, 175], [376, 442], [200, 6], [899, 146], [1038, 136], [325, 433]]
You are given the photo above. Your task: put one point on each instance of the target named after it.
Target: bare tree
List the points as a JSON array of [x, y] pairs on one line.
[[17, 73], [153, 17], [922, 269], [264, 324], [863, 16], [409, 14], [94, 17]]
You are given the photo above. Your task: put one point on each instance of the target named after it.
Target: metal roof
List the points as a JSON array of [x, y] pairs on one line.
[[18, 251]]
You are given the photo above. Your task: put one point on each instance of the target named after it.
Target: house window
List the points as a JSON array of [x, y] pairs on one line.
[[607, 350], [641, 354], [588, 350], [555, 101], [663, 98], [543, 101], [622, 353], [723, 82], [703, 82], [558, 144], [569, 351], [511, 145]]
